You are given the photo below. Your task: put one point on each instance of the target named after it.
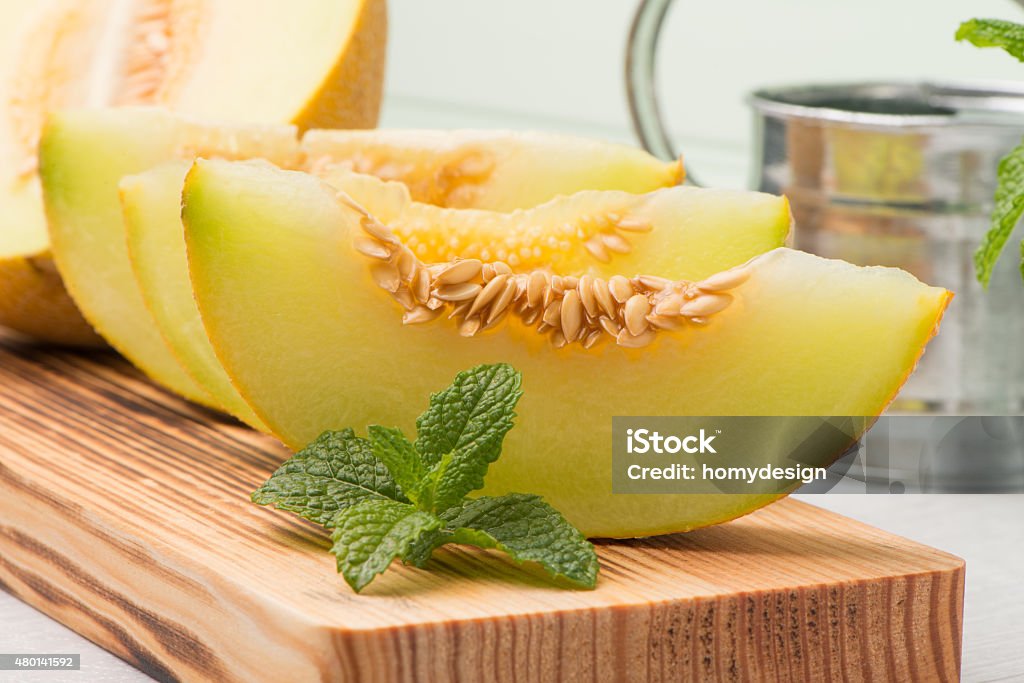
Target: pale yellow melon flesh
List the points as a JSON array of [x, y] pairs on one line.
[[151, 204], [312, 62], [312, 343], [81, 170]]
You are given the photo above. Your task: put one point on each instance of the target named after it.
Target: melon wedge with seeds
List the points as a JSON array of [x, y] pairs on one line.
[[311, 62], [311, 332], [84, 155], [681, 231]]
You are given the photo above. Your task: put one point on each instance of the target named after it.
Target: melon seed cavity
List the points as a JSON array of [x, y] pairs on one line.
[[480, 295]]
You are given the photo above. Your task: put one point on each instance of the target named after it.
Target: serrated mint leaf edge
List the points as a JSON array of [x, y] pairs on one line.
[[994, 33], [468, 528], [426, 434], [400, 456], [272, 493], [405, 525], [1009, 205], [470, 442]]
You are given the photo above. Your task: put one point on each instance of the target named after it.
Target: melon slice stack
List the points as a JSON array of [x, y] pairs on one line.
[[334, 280]]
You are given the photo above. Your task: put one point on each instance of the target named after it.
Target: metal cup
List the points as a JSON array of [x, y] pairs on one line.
[[898, 174]]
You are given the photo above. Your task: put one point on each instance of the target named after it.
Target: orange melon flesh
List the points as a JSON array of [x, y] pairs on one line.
[[312, 343], [311, 62], [84, 155], [678, 232]]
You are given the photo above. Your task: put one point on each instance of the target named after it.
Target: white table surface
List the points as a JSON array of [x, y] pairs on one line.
[[986, 530]]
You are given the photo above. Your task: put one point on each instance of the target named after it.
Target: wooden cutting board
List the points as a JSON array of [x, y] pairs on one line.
[[124, 514]]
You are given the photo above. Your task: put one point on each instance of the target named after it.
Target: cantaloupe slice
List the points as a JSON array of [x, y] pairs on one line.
[[305, 324], [84, 154], [311, 62]]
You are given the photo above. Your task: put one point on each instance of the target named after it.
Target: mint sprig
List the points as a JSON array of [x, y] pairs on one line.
[[334, 472], [994, 33], [1009, 198], [461, 432], [385, 497], [1006, 212]]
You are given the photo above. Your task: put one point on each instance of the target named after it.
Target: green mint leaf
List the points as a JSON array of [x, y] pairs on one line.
[[1009, 205], [380, 494], [529, 530], [423, 547], [400, 457], [428, 491], [369, 535], [333, 473], [467, 421], [994, 33]]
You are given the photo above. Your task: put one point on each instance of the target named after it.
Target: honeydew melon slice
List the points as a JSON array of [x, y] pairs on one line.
[[311, 62], [151, 204], [301, 322], [84, 154]]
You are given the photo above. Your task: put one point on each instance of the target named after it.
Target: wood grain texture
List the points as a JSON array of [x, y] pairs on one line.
[[124, 514]]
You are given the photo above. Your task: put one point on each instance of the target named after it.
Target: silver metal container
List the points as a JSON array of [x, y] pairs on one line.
[[903, 175], [898, 174]]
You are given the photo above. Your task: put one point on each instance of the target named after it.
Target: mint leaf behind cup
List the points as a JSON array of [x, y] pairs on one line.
[[994, 33], [1009, 205], [1009, 198]]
